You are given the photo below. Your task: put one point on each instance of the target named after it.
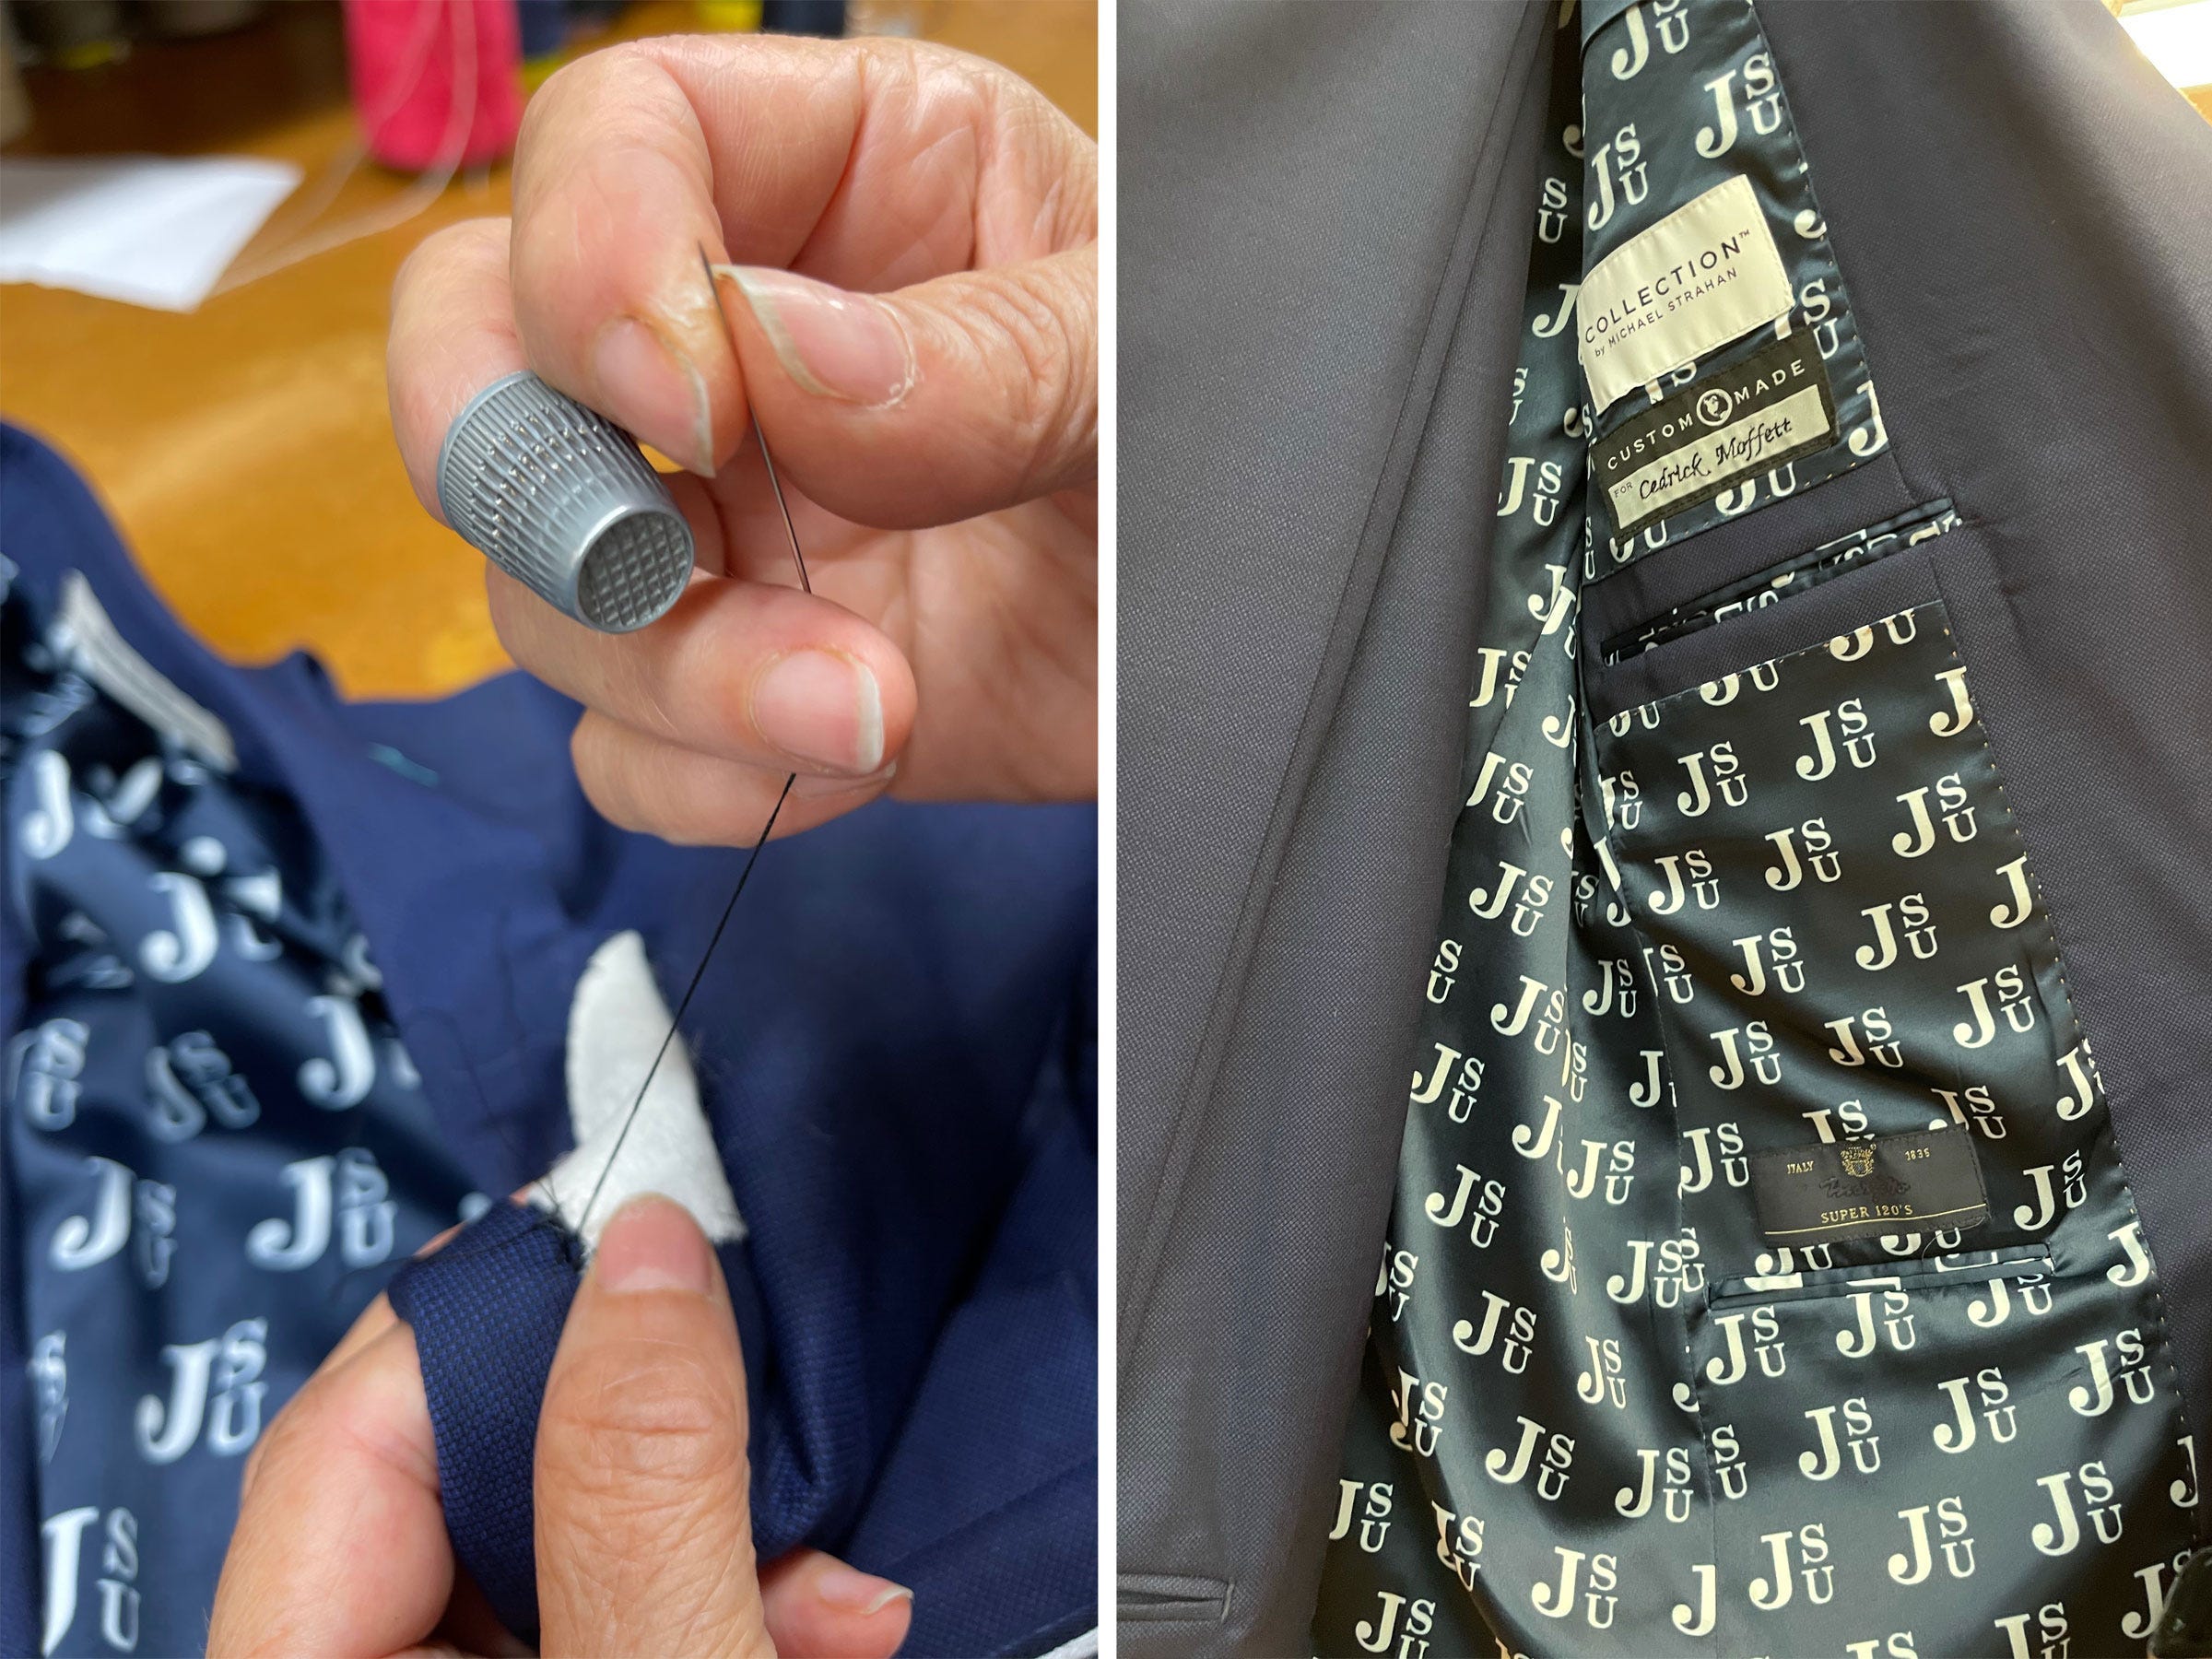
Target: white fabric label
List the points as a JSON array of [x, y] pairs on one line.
[[1715, 457], [1701, 277]]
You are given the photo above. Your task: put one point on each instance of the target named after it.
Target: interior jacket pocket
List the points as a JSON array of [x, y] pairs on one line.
[[1844, 931]]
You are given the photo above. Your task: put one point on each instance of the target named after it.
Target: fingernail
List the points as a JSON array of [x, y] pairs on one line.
[[820, 788], [822, 707], [852, 1591], [834, 344], [651, 1243], [651, 388]]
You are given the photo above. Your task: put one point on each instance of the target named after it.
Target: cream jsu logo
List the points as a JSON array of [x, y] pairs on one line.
[[1508, 1328], [1597, 1603], [1363, 1514], [1464, 1085], [1672, 24], [1845, 727], [1950, 1540], [1672, 1498], [1824, 863], [1714, 770], [1479, 1202], [1762, 105], [1621, 175], [1959, 817], [1730, 1366], [1913, 925], [1988, 1408], [2062, 1534], [1800, 1552], [1855, 1438]]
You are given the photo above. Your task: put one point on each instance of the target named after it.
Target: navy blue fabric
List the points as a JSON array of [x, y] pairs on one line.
[[485, 1413], [888, 1046]]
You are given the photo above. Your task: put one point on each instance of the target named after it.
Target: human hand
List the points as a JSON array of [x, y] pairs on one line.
[[643, 1527], [928, 383]]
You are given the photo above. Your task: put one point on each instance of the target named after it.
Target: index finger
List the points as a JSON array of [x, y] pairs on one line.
[[871, 166], [350, 1457]]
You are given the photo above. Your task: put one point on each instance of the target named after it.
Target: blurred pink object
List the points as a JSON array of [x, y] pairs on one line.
[[437, 83]]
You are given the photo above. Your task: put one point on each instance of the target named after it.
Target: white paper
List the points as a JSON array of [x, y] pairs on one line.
[[149, 231]]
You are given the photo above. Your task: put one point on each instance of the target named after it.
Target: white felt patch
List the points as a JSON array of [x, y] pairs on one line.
[[617, 1022]]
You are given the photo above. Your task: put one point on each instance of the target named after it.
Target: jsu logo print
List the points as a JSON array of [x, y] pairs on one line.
[[120, 1199], [1950, 1542], [1506, 1328], [1793, 1555], [1671, 1495], [67, 1555], [1988, 1406], [1788, 974], [1620, 174], [1363, 1512], [1950, 806], [1714, 771], [1761, 95], [1856, 1438], [1428, 1089], [1733, 1362], [1458, 1543], [1819, 858], [2121, 1360], [1912, 924], [2098, 1500], [1421, 1414], [44, 1065], [1845, 724], [1479, 1203], [1753, 1058], [216, 1385], [1489, 902], [347, 1191], [1377, 1634], [188, 1080], [1597, 1604], [2011, 990], [1393, 1281]]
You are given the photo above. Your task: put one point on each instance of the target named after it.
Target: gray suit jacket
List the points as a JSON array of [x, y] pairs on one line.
[[1325, 229]]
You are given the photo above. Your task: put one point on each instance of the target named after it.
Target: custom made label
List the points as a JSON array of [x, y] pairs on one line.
[[1926, 1181], [1772, 408], [1704, 274]]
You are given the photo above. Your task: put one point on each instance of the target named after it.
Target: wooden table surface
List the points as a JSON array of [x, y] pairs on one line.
[[244, 448]]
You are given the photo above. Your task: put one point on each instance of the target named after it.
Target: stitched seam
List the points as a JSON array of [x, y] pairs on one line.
[[2153, 1278]]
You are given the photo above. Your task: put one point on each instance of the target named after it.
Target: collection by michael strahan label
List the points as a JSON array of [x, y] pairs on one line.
[[1924, 1181], [1767, 409], [1704, 274]]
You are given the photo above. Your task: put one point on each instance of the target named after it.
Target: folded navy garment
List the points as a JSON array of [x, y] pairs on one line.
[[288, 983]]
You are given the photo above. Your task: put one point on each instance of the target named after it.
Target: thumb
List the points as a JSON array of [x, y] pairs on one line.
[[933, 404], [644, 1532]]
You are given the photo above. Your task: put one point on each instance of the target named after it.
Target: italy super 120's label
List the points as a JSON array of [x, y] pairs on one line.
[[1920, 1182], [1767, 409]]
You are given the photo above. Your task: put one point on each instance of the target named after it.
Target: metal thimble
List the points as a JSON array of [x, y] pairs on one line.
[[560, 498]]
